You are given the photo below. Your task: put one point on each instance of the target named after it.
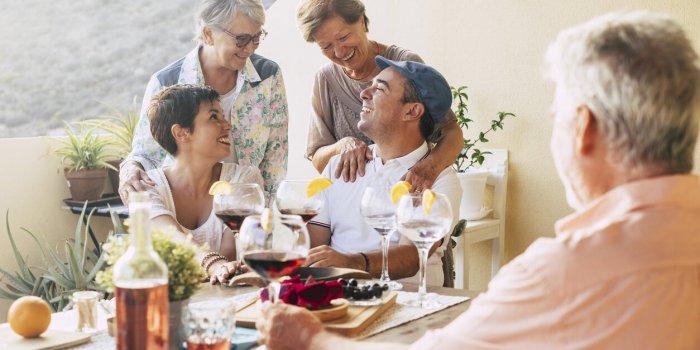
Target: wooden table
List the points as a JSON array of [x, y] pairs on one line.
[[406, 333]]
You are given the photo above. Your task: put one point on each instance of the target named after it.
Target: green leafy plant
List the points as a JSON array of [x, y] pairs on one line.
[[471, 154], [120, 126], [184, 273], [58, 277], [84, 150]]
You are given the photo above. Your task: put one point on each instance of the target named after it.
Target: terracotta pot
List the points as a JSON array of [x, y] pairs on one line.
[[86, 184], [114, 175]]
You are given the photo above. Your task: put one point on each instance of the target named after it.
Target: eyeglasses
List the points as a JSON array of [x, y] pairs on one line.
[[245, 39]]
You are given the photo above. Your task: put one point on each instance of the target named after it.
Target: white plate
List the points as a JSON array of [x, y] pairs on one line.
[[478, 215]]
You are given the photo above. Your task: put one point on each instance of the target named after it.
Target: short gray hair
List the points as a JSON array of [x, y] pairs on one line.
[[637, 73], [220, 13]]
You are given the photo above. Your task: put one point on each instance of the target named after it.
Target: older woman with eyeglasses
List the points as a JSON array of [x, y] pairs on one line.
[[339, 28], [251, 87]]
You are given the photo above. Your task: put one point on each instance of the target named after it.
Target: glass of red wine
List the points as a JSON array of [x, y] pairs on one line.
[[291, 199], [243, 200], [274, 250]]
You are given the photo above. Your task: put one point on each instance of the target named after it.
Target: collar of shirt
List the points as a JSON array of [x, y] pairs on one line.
[[406, 162], [192, 70], [676, 191]]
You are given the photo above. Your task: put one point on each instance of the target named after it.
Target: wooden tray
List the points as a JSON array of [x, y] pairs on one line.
[[318, 273], [51, 339], [352, 324]]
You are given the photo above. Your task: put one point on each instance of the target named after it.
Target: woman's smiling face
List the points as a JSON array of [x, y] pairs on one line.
[[344, 44]]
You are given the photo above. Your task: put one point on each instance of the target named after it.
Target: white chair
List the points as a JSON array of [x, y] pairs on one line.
[[490, 228]]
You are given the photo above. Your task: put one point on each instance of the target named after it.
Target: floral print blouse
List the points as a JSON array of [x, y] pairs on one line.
[[257, 110]]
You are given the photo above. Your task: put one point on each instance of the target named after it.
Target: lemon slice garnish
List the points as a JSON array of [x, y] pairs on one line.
[[317, 185], [266, 220], [398, 190], [428, 200], [220, 188]]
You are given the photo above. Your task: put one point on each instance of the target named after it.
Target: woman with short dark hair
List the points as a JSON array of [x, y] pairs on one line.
[[189, 123]]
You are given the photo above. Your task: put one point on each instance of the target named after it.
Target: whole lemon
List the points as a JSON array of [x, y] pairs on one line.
[[29, 316]]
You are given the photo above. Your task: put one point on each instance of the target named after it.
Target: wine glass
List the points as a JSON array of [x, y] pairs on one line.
[[277, 252], [380, 214], [423, 226], [291, 199], [243, 200]]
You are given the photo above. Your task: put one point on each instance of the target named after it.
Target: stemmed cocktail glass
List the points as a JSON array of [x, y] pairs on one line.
[[274, 251], [380, 214], [424, 224], [243, 199], [291, 199]]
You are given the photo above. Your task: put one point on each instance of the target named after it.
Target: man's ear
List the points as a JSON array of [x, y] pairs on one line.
[[586, 130], [413, 111], [179, 133]]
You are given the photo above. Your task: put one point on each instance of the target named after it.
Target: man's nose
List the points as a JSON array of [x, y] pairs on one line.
[[366, 94]]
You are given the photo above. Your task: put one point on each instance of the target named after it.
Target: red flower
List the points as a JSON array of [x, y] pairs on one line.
[[311, 295]]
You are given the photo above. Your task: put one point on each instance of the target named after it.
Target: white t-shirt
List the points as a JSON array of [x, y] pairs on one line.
[[341, 212], [210, 231]]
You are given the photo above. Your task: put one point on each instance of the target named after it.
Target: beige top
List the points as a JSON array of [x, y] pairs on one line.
[[211, 231], [336, 103]]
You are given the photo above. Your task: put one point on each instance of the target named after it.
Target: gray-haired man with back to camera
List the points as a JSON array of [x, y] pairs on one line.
[[623, 271]]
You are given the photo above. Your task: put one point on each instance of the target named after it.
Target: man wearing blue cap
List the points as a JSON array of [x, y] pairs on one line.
[[401, 109]]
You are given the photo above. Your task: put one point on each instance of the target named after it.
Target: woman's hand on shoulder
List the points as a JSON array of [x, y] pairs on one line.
[[354, 154], [132, 178], [422, 175]]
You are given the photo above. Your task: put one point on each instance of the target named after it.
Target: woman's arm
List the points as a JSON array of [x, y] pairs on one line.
[[354, 154], [145, 154], [274, 164], [424, 173]]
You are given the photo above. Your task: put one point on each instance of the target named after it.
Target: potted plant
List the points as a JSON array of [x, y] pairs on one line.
[[472, 179], [59, 275], [84, 155], [185, 275], [120, 128]]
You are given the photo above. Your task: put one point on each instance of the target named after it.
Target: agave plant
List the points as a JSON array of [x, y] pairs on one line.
[[120, 126], [84, 150], [58, 277]]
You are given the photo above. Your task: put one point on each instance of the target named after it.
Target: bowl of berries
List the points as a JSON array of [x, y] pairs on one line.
[[363, 294]]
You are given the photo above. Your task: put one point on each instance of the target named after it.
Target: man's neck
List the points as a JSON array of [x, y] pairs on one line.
[[397, 148]]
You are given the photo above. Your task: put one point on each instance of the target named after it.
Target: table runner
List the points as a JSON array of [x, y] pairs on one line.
[[397, 315]]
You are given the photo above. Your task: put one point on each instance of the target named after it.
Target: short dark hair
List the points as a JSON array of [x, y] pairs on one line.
[[312, 13], [427, 124], [177, 104]]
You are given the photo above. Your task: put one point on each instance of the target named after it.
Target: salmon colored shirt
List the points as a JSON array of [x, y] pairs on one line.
[[622, 273]]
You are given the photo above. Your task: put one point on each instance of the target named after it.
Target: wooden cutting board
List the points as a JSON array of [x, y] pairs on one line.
[[352, 324], [51, 339]]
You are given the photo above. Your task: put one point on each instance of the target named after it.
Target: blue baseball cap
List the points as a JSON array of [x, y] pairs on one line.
[[432, 87]]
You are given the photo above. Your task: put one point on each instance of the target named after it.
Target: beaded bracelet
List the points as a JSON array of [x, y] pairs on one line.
[[366, 261], [213, 261], [206, 257]]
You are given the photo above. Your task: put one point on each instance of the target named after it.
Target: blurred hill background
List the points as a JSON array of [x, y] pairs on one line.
[[59, 59]]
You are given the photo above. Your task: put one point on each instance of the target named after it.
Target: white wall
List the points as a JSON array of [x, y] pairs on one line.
[[494, 47]]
